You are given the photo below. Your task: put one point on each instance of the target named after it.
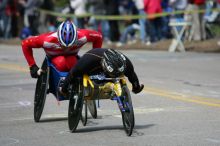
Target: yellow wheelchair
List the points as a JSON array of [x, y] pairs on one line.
[[87, 89]]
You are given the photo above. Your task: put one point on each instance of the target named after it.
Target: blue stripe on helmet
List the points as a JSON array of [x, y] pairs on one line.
[[72, 31], [68, 33]]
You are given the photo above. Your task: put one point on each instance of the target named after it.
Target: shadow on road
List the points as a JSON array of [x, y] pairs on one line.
[[56, 119], [115, 127]]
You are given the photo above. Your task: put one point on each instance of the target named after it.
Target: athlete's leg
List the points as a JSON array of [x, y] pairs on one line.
[[64, 63], [70, 61], [60, 63]]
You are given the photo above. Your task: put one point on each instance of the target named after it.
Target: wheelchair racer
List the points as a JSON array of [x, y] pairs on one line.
[[108, 61], [61, 46]]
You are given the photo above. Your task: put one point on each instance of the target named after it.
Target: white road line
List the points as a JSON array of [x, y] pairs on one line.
[[16, 105], [113, 113], [8, 141], [64, 132], [25, 103], [117, 116], [43, 116], [213, 140]]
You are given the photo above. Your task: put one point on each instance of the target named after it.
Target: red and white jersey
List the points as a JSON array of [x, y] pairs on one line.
[[49, 42]]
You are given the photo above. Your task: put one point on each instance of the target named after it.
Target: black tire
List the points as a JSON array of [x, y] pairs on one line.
[[84, 113], [92, 108], [41, 91], [127, 115], [75, 106]]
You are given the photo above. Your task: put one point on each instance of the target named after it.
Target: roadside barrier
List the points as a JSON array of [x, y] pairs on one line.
[[123, 17]]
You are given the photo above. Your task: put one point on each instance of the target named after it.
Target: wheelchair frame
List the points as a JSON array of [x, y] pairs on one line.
[[51, 77], [80, 94]]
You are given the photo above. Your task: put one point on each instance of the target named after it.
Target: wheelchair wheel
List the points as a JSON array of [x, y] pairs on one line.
[[84, 113], [127, 115], [92, 108], [75, 106], [41, 92]]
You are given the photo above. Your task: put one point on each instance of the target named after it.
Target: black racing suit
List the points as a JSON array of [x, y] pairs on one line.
[[90, 63]]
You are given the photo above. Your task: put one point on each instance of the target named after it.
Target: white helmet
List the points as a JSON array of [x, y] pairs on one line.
[[67, 33]]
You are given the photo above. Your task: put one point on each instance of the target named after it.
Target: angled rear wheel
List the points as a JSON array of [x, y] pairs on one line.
[[128, 114], [41, 92]]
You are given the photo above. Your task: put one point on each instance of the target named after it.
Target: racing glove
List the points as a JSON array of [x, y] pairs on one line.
[[35, 71], [64, 85], [137, 88], [62, 91], [63, 88]]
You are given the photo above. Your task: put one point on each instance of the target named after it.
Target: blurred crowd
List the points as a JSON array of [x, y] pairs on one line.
[[22, 18]]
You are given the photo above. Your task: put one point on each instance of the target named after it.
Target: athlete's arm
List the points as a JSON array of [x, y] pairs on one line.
[[94, 37], [132, 77], [28, 45]]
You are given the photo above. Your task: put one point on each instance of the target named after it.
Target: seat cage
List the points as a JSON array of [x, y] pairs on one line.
[[56, 77]]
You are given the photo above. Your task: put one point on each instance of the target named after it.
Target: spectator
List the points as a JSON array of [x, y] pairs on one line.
[[31, 15], [14, 18], [166, 31], [153, 7], [97, 7], [20, 9], [218, 6], [142, 21], [198, 22], [5, 18], [130, 29], [48, 21], [112, 8], [79, 7], [3, 4]]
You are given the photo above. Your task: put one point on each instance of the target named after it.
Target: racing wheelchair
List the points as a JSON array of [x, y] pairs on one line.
[[49, 82], [82, 93], [95, 87]]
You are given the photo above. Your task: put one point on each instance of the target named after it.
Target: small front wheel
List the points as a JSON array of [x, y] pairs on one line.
[[92, 108], [127, 112], [84, 113]]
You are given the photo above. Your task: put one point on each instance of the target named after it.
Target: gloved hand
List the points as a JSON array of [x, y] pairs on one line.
[[63, 88], [137, 88], [62, 92], [35, 71]]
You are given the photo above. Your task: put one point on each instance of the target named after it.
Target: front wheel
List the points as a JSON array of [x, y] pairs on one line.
[[75, 106], [84, 113], [92, 108], [128, 113]]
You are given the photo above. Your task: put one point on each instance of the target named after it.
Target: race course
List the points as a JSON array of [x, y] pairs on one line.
[[180, 104]]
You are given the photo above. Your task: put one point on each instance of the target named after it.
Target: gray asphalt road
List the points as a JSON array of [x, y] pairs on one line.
[[180, 104]]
